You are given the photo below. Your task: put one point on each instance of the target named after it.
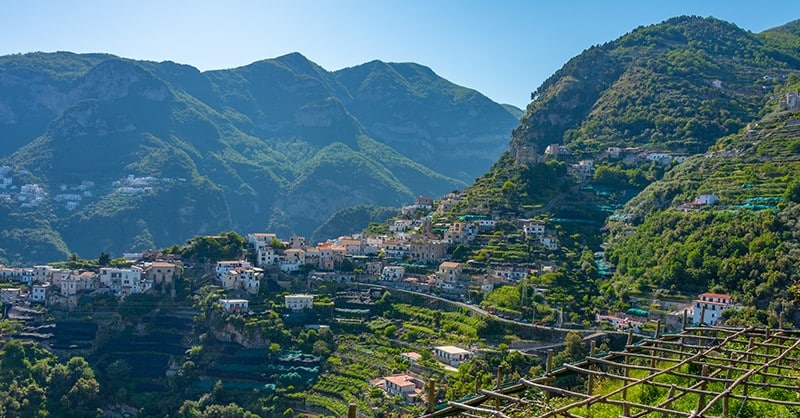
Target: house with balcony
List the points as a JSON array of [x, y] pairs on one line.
[[247, 279], [223, 266], [235, 305], [299, 302], [124, 281], [707, 308], [392, 273]]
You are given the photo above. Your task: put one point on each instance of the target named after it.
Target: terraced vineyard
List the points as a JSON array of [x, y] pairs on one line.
[[746, 244]]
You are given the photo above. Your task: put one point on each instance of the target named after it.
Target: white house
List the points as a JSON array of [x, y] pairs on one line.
[[659, 158], [411, 357], [223, 266], [551, 243], [299, 302], [39, 292], [533, 230], [706, 199], [260, 240], [714, 304], [76, 283], [124, 281], [394, 249], [452, 355], [234, 305], [393, 273]]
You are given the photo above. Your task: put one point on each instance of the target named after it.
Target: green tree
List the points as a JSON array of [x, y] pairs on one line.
[[104, 259], [793, 192]]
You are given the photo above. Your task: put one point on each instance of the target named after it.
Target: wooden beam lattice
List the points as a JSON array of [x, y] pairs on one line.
[[733, 362]]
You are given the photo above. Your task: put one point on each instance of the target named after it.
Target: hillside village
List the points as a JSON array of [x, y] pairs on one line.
[[414, 252]]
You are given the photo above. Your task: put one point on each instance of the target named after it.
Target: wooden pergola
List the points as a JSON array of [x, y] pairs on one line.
[[699, 372]]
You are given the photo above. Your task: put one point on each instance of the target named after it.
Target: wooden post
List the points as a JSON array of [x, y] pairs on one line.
[[431, 395], [768, 351], [499, 376], [780, 320], [590, 379], [658, 329], [701, 401], [668, 401], [499, 383], [549, 370], [626, 408], [685, 320], [703, 315], [725, 399], [351, 411], [477, 384]]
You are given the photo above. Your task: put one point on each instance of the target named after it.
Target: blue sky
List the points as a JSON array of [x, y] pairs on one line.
[[505, 49]]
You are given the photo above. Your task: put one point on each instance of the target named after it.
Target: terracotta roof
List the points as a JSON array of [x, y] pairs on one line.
[[714, 295], [400, 380]]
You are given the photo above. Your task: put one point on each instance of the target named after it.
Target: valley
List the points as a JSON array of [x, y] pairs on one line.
[[633, 252]]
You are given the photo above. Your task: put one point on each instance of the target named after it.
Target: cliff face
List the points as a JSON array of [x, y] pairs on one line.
[[229, 333]]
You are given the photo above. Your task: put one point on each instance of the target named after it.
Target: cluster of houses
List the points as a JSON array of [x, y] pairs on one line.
[[64, 287], [32, 194], [135, 185], [583, 170], [413, 244], [68, 197]]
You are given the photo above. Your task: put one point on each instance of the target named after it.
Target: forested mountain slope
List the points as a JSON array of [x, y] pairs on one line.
[[128, 155], [747, 244]]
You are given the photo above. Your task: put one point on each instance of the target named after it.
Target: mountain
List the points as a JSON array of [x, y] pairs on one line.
[[674, 87], [111, 154], [678, 86]]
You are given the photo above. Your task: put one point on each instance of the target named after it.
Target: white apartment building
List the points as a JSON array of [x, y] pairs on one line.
[[298, 302]]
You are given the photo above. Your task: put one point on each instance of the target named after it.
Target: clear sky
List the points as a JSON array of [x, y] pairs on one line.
[[504, 49]]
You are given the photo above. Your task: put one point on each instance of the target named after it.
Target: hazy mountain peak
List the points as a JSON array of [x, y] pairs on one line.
[[116, 78]]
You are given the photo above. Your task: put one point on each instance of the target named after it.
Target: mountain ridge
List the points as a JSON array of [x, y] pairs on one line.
[[252, 137]]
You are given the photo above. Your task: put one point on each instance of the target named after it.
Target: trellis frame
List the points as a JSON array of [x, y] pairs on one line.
[[731, 361]]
